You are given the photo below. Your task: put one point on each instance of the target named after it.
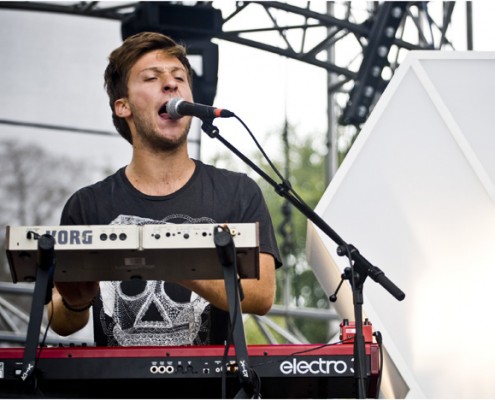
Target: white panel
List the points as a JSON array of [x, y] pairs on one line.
[[468, 91], [415, 195]]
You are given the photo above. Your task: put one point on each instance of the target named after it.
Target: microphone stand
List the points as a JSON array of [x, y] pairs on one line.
[[360, 269]]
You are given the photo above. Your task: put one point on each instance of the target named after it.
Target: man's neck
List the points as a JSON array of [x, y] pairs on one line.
[[160, 174]]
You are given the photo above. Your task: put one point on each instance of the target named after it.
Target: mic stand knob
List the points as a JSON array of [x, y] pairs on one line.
[[345, 276]]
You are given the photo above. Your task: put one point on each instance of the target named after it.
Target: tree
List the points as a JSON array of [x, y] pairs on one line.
[[33, 187]]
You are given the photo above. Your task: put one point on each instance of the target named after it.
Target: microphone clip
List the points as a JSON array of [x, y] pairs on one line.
[[208, 127]]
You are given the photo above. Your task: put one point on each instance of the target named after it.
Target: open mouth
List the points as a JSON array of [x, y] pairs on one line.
[[162, 111]]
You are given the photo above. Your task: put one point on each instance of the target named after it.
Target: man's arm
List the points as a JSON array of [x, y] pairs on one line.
[[77, 296], [259, 294]]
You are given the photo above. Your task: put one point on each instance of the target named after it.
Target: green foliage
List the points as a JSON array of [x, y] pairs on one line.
[[255, 335]]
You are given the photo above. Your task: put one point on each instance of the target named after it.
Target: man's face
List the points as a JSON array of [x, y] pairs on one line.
[[154, 80]]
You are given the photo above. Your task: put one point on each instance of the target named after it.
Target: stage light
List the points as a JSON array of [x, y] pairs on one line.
[[369, 83]]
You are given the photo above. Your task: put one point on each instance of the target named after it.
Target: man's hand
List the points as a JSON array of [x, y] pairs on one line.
[[77, 296], [259, 294]]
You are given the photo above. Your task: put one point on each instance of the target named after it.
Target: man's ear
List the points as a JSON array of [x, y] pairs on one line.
[[122, 108]]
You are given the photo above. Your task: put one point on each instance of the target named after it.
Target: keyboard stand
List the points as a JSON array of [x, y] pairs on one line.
[[41, 296], [227, 256]]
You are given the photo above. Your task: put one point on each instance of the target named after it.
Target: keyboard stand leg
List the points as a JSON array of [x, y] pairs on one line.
[[41, 296], [227, 255]]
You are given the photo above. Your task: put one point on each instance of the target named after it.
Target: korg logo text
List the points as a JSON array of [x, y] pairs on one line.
[[316, 367], [72, 236]]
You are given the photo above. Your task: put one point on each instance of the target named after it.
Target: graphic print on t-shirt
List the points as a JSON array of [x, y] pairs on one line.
[[153, 313]]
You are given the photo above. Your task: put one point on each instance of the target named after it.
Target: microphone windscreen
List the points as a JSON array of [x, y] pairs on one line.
[[173, 108]]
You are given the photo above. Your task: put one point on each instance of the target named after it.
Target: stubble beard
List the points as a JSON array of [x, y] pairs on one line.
[[154, 140]]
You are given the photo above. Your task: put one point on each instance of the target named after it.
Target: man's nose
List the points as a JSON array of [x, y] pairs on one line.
[[169, 84]]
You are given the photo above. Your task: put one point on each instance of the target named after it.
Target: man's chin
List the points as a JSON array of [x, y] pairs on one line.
[[166, 144]]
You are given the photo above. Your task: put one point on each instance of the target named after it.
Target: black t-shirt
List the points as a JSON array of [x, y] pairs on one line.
[[153, 313]]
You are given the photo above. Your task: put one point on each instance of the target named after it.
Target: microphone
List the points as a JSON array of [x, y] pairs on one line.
[[178, 108]]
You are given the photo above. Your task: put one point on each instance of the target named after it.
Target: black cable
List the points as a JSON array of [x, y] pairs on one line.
[[33, 235], [379, 340], [286, 185], [43, 341]]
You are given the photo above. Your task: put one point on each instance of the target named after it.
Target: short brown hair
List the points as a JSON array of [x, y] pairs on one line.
[[124, 57]]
